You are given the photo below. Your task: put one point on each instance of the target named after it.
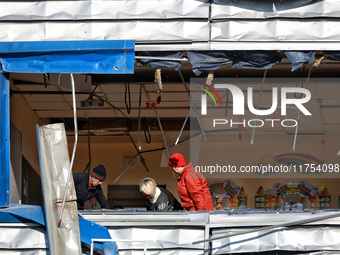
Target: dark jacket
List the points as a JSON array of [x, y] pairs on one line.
[[84, 193], [165, 202]]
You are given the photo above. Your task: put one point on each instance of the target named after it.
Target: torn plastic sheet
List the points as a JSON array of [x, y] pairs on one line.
[[255, 59], [332, 55], [208, 60], [156, 63], [298, 58]]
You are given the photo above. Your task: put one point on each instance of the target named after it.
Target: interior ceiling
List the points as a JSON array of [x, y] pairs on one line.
[[49, 96]]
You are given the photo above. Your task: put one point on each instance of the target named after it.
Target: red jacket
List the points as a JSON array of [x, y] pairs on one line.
[[193, 190]]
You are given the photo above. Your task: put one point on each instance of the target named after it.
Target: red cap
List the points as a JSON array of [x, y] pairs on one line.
[[176, 160]]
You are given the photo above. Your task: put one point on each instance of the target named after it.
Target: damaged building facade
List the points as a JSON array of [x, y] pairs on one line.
[[119, 78]]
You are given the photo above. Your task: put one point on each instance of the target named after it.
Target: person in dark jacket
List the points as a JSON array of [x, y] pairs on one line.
[[158, 198], [88, 186]]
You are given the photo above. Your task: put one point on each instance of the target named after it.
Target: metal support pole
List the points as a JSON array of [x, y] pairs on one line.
[[258, 104], [226, 104], [140, 106], [128, 165], [185, 122], [140, 155], [193, 105], [161, 58], [299, 113]]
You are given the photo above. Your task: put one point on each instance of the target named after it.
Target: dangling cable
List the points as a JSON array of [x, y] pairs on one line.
[[45, 81], [127, 91], [296, 86], [146, 129], [88, 166], [299, 112], [74, 146]]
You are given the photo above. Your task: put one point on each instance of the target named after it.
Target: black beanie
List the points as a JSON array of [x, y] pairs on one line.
[[99, 173]]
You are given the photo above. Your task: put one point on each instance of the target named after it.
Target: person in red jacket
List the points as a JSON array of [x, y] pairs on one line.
[[192, 186]]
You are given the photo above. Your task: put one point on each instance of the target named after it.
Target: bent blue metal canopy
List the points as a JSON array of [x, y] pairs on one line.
[[103, 57], [35, 214]]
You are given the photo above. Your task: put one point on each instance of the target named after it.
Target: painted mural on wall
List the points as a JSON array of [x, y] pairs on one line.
[[227, 195], [300, 193]]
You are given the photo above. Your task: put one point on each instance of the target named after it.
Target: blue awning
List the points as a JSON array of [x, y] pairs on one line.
[[105, 57], [35, 214]]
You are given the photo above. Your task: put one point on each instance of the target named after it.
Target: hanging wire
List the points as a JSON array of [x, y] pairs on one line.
[[299, 113], [127, 93], [146, 130], [258, 104], [46, 76], [92, 92], [106, 101], [74, 147], [88, 166], [297, 86]]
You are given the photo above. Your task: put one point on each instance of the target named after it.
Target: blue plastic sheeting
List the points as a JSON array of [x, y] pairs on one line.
[[157, 63], [298, 58], [4, 142], [208, 60], [332, 55], [90, 230], [255, 59], [111, 57], [110, 248], [22, 213]]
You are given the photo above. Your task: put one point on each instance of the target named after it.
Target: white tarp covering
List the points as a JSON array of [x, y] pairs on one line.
[[178, 24], [163, 232], [251, 9], [174, 231], [106, 30], [294, 239], [106, 9], [22, 237], [276, 30]]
